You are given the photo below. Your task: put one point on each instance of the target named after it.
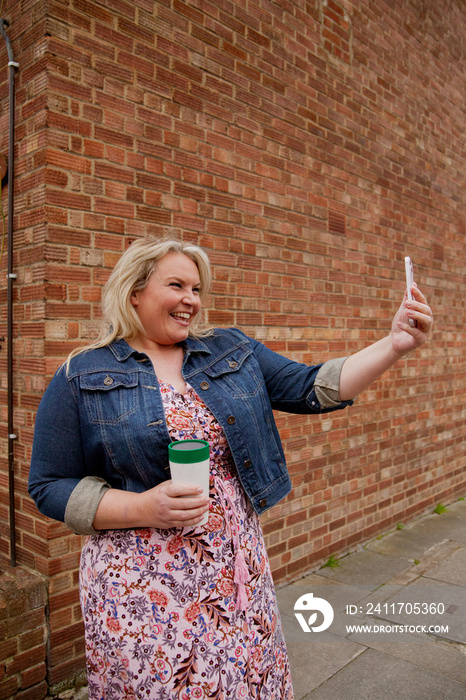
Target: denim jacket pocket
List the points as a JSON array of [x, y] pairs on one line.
[[236, 369], [109, 396]]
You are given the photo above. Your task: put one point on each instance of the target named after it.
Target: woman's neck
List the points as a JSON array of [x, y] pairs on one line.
[[167, 361]]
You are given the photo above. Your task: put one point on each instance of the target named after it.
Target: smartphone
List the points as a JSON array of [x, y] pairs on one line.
[[409, 284]]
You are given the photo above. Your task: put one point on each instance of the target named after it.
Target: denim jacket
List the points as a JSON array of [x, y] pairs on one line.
[[102, 425]]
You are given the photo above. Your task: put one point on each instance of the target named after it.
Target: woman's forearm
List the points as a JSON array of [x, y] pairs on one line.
[[119, 510], [365, 366], [163, 506]]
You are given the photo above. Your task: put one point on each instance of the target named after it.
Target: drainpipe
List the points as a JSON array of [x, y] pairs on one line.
[[12, 65]]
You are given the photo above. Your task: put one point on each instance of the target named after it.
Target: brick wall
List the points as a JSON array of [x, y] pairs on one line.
[[23, 641], [308, 146]]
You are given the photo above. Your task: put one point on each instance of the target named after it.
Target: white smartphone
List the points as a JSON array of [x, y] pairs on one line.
[[409, 284]]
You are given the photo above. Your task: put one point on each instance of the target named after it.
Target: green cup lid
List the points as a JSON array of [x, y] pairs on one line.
[[188, 451]]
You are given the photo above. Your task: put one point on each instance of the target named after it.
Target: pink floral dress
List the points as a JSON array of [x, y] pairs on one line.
[[185, 612]]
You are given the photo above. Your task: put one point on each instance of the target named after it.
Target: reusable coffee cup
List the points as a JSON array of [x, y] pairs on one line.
[[190, 464]]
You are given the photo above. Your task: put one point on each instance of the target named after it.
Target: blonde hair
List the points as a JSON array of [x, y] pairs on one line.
[[131, 274]]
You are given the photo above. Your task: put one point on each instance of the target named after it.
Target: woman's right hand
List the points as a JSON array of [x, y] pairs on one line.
[[163, 506], [173, 505]]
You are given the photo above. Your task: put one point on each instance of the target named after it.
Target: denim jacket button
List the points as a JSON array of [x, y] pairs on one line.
[[108, 381], [247, 463], [204, 385], [232, 364], [231, 420], [262, 502]]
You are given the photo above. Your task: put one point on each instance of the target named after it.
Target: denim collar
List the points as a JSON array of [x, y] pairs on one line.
[[122, 350]]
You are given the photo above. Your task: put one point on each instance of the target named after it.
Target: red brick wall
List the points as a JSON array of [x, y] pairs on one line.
[[308, 146], [23, 640]]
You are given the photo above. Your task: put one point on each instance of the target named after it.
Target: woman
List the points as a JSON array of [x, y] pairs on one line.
[[172, 609]]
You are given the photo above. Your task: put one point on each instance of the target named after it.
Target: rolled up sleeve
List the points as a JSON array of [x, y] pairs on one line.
[[83, 503], [327, 383]]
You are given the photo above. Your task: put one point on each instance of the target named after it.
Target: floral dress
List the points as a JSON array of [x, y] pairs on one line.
[[185, 612]]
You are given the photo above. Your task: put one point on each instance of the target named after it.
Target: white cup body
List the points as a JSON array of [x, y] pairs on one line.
[[195, 473]]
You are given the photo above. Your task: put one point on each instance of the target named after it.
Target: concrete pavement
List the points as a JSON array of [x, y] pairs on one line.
[[399, 625]]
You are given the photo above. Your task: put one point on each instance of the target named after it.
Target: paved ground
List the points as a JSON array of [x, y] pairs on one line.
[[408, 581]]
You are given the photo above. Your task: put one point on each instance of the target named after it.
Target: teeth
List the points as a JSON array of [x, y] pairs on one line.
[[182, 315]]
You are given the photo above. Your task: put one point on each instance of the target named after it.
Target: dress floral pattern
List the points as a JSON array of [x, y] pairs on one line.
[[185, 612]]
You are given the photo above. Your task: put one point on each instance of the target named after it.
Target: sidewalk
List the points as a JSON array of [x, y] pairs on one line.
[[409, 589]]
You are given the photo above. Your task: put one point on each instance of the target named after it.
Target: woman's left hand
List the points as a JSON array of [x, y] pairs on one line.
[[404, 337], [367, 365]]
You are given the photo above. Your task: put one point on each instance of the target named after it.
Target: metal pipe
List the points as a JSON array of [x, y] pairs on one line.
[[10, 277]]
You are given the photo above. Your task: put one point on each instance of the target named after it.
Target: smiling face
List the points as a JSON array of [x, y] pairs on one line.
[[169, 301]]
